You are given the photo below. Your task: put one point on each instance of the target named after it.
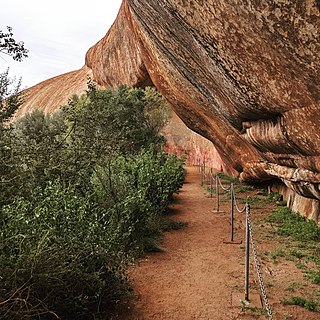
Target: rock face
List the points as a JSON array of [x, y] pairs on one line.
[[243, 74], [196, 149]]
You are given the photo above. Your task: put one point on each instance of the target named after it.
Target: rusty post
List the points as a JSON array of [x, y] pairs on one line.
[[246, 294]]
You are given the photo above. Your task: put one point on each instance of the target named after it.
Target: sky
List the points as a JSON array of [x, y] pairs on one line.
[[56, 33]]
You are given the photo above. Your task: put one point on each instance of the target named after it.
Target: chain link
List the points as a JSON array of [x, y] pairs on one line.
[[257, 265], [254, 250]]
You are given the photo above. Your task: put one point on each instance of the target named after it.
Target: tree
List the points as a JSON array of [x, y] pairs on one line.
[[9, 46], [105, 121], [156, 110], [10, 97], [10, 100]]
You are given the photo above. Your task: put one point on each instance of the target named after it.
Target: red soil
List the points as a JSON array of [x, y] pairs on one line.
[[201, 277]]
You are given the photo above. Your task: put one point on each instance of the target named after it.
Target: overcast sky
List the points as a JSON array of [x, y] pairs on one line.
[[57, 33]]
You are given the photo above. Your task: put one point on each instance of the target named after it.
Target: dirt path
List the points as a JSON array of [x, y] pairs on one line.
[[194, 278], [199, 276]]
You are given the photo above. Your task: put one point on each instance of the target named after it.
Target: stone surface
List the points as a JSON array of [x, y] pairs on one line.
[[243, 74], [197, 150]]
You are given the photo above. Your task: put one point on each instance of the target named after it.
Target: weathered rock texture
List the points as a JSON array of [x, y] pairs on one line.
[[244, 74], [196, 149]]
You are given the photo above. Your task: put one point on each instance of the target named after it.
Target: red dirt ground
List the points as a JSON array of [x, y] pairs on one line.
[[199, 276]]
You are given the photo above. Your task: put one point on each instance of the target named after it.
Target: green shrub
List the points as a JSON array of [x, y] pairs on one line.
[[88, 131], [82, 193], [314, 276], [225, 177], [137, 190], [273, 196], [302, 302], [294, 225], [58, 259]]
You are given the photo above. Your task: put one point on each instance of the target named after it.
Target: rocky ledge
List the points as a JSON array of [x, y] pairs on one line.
[[243, 74]]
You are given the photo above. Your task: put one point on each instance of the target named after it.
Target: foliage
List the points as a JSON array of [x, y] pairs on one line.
[[65, 254], [9, 46], [104, 121], [225, 177], [243, 188], [10, 96], [303, 234], [32, 155], [294, 225], [138, 189], [57, 259], [314, 276], [10, 100], [273, 196], [69, 144], [265, 199], [302, 302], [277, 252], [156, 110], [83, 192]]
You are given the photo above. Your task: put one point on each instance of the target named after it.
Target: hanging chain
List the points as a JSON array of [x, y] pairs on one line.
[[235, 202], [254, 250], [225, 189], [257, 265]]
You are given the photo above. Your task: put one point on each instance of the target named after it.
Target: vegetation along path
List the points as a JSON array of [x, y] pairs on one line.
[[198, 276]]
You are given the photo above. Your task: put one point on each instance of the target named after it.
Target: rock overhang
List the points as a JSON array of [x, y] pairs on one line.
[[245, 75]]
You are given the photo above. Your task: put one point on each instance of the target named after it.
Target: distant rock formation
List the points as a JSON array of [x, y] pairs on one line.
[[196, 149], [243, 74]]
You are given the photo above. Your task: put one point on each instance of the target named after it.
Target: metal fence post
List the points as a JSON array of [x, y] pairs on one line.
[[246, 296], [233, 206], [232, 211], [211, 182], [217, 192], [201, 175]]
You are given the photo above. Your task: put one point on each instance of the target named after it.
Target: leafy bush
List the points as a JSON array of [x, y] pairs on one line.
[[138, 189], [82, 193], [57, 259], [65, 254], [106, 121], [69, 144]]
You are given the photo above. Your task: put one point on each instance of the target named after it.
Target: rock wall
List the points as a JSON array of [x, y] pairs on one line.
[[243, 74], [197, 150]]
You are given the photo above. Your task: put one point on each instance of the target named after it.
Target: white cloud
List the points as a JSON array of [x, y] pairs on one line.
[[57, 33]]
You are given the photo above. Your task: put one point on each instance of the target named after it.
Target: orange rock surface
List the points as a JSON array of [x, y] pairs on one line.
[[244, 75]]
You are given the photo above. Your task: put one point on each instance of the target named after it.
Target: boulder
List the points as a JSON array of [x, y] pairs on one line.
[[242, 74]]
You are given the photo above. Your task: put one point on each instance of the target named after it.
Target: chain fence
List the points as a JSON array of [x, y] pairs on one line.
[[257, 264], [249, 232], [235, 201]]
